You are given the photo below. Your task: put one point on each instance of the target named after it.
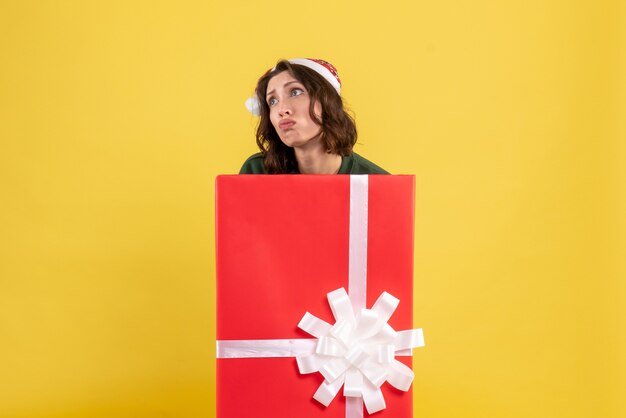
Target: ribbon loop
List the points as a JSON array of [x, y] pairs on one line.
[[326, 392], [386, 353], [385, 305], [387, 333], [400, 376], [342, 330], [310, 363], [340, 305], [313, 325], [334, 369], [328, 346], [353, 384], [373, 398], [368, 324], [409, 339], [375, 373], [356, 356]]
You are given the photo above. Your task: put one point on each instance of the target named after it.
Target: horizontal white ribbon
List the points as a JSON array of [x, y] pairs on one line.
[[273, 348], [265, 348]]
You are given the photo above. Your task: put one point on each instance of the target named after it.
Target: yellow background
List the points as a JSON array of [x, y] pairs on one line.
[[116, 116]]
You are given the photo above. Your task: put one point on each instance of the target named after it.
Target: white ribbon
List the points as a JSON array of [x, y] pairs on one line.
[[358, 351], [357, 261], [265, 348]]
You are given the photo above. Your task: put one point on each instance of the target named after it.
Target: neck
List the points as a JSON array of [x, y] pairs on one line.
[[314, 159]]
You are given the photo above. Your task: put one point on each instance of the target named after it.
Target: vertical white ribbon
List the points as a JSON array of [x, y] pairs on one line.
[[357, 267], [357, 271], [354, 407]]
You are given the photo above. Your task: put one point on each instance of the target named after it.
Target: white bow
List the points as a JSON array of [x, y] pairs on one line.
[[358, 353]]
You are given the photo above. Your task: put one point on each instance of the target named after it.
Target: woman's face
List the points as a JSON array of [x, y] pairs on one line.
[[289, 102]]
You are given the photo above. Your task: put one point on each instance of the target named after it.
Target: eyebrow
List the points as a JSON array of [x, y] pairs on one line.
[[284, 85]]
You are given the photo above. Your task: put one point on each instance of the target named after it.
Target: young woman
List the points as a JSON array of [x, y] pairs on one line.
[[303, 126]]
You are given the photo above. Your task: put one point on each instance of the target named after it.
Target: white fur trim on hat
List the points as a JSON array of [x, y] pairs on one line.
[[320, 69]]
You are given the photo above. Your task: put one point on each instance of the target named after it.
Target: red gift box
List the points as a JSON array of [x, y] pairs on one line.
[[283, 243]]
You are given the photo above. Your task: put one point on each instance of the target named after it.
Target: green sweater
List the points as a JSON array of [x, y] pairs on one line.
[[352, 164]]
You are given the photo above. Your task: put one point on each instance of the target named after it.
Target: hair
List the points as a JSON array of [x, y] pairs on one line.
[[338, 130]]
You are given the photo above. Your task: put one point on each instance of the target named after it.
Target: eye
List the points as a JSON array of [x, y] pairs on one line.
[[296, 91], [271, 101]]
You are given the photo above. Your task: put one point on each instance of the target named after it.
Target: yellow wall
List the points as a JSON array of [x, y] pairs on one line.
[[116, 116]]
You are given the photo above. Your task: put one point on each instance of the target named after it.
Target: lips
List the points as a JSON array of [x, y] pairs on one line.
[[286, 124]]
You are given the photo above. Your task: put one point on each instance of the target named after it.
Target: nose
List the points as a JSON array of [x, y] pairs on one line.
[[284, 109]]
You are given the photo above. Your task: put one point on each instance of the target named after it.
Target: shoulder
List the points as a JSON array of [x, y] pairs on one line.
[[360, 165], [253, 165]]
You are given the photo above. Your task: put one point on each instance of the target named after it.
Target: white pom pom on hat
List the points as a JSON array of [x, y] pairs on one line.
[[253, 106], [323, 68]]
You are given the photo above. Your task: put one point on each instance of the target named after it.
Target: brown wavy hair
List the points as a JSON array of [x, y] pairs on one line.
[[338, 130]]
